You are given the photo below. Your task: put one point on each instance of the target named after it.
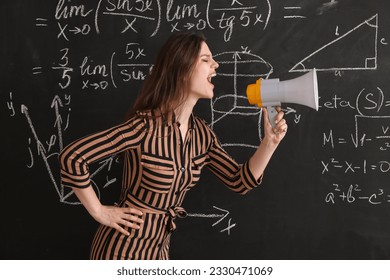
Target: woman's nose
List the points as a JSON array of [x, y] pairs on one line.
[[215, 64]]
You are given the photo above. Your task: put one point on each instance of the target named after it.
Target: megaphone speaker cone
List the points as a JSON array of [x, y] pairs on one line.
[[302, 90]]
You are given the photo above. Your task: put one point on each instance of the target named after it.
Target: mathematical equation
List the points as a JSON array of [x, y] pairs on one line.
[[99, 76], [370, 140], [353, 193], [371, 120], [135, 15], [351, 167]]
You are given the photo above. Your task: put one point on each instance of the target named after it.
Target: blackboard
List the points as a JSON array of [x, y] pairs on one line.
[[70, 68]]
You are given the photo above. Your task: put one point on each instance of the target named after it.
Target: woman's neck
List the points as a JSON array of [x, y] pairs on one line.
[[183, 114]]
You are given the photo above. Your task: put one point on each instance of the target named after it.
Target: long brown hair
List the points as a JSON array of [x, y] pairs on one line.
[[163, 90]]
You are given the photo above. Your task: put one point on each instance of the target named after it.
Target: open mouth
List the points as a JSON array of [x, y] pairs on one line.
[[211, 76]]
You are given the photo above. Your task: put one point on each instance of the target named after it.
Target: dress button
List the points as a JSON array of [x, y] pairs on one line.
[[182, 169]]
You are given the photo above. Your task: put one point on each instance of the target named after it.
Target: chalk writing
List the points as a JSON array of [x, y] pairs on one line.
[[221, 217], [353, 193], [350, 166], [370, 137], [294, 12], [10, 105]]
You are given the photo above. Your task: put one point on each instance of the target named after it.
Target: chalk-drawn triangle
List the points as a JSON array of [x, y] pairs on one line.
[[354, 50]]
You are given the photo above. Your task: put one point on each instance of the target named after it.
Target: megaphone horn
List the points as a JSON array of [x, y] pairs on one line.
[[269, 93]]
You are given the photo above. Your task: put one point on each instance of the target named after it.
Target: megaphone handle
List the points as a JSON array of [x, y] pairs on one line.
[[271, 115]]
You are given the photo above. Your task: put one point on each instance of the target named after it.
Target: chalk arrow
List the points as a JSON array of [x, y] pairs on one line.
[[40, 147], [236, 56], [56, 103], [220, 216], [289, 110], [76, 30], [189, 26], [41, 150], [103, 164]]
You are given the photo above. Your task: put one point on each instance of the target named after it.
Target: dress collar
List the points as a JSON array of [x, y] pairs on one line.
[[191, 121]]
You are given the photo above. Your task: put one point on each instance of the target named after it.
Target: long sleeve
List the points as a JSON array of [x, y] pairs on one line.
[[237, 177], [75, 158]]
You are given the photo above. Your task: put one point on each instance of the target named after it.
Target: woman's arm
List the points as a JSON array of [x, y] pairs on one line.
[[76, 157], [243, 178], [273, 136], [111, 216]]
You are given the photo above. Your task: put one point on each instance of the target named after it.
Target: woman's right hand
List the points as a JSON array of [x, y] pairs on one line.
[[119, 218], [112, 216]]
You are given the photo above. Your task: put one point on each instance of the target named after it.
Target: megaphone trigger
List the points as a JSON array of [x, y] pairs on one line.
[[272, 113]]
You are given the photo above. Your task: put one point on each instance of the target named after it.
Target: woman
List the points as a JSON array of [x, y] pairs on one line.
[[165, 147]]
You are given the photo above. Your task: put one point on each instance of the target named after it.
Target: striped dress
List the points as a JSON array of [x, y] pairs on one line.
[[159, 168]]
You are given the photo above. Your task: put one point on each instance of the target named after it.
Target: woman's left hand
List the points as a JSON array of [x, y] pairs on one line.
[[276, 134]]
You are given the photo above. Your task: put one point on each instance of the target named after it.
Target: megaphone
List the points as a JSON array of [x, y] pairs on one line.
[[272, 92]]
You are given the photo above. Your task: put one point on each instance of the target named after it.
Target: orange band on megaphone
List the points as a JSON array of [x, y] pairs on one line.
[[253, 93]]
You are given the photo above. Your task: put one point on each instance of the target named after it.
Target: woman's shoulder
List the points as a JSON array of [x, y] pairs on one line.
[[203, 121], [202, 124], [199, 121], [138, 119]]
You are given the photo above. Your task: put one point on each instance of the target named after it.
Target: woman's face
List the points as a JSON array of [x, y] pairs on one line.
[[200, 84]]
